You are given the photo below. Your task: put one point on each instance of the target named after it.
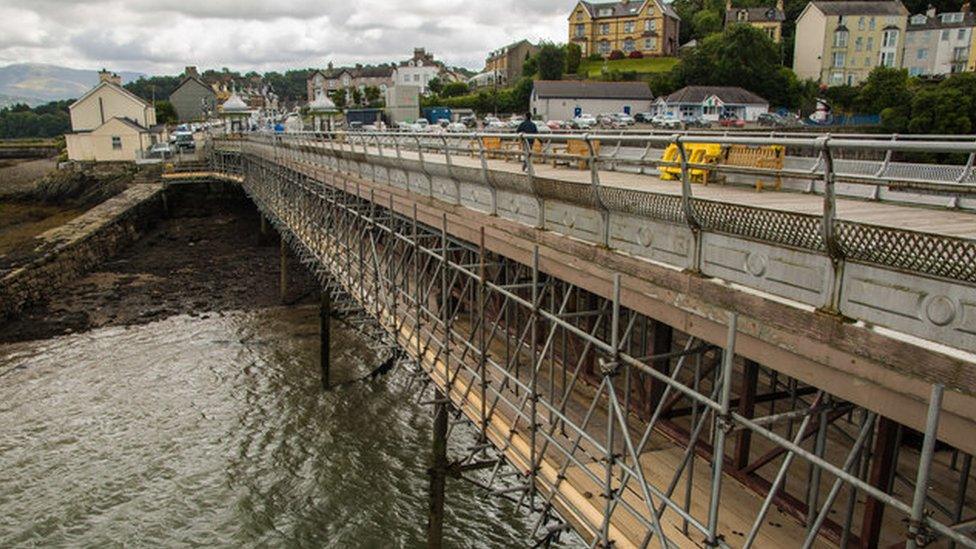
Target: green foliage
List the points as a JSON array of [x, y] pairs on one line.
[[357, 97], [645, 66], [530, 67], [339, 98], [842, 99], [574, 55], [551, 60], [884, 88], [290, 86], [706, 22], [454, 89], [374, 96], [742, 56], [594, 57], [505, 100], [49, 120], [435, 86], [158, 87], [165, 113]]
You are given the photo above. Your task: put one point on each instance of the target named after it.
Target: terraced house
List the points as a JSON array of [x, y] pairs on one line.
[[765, 18], [649, 26], [841, 42]]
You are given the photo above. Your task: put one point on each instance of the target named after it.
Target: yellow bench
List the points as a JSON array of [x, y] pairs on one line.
[[698, 153], [767, 156], [577, 149]]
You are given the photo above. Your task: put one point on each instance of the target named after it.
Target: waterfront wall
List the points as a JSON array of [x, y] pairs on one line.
[[65, 252]]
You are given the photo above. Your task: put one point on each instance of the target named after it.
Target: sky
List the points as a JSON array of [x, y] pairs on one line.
[[163, 36]]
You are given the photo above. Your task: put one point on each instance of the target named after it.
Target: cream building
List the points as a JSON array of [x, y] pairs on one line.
[[767, 19], [842, 42], [648, 26], [938, 44], [110, 123]]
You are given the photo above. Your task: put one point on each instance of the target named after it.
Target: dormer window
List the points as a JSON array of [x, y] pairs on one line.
[[918, 19], [951, 17], [579, 15], [605, 12], [743, 15]]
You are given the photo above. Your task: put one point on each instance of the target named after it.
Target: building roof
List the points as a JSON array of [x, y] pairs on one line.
[[884, 7], [727, 94], [936, 22], [369, 71], [192, 78], [115, 87], [234, 103], [569, 89], [623, 9], [322, 104], [753, 15]]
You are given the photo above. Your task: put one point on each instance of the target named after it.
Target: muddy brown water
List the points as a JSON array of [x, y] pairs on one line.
[[210, 428]]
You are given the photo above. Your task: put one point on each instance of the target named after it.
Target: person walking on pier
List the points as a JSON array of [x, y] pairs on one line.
[[527, 127]]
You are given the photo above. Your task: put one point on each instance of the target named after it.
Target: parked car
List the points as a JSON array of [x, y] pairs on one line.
[[496, 125], [697, 122], [731, 121], [625, 119], [584, 121], [667, 121], [183, 141], [771, 119], [160, 150], [421, 125], [644, 117], [556, 125], [469, 121], [606, 118], [457, 127]]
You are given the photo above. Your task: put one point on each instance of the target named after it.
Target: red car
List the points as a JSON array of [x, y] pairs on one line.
[[732, 122]]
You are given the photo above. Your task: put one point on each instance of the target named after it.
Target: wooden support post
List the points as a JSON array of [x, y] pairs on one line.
[[662, 336], [882, 460], [438, 473], [747, 407], [283, 271], [325, 327]]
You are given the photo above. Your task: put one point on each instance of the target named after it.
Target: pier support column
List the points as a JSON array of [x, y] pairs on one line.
[[882, 460], [283, 271], [325, 327], [747, 407], [662, 337], [438, 473]]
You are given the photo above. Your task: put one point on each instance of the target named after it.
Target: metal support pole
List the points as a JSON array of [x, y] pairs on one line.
[[918, 535], [747, 407], [437, 473], [282, 270], [325, 326], [882, 460], [721, 420], [663, 336]]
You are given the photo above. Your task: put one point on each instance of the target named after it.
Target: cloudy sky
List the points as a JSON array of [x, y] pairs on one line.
[[162, 36]]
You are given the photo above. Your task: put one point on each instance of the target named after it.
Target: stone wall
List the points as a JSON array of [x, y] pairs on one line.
[[63, 253]]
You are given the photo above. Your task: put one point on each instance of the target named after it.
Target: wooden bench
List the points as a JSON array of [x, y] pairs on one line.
[[576, 150], [766, 157]]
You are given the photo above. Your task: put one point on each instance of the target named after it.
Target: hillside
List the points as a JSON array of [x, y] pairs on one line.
[[647, 65], [37, 83]]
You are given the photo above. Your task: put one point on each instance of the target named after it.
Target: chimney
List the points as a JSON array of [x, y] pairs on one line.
[[930, 12], [110, 77], [192, 71], [728, 6], [779, 6], [965, 8]]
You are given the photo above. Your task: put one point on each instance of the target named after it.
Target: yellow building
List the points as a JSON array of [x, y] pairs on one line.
[[842, 42], [110, 123], [766, 19], [648, 26]]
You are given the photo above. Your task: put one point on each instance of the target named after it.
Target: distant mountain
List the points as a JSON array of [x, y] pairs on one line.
[[37, 83]]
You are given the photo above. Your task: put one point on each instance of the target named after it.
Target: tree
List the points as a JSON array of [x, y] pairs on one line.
[[339, 98], [357, 97], [740, 56], [884, 88], [706, 22], [154, 87], [165, 113], [574, 55], [454, 89], [521, 94], [435, 86], [942, 110], [530, 67], [373, 96], [551, 60]]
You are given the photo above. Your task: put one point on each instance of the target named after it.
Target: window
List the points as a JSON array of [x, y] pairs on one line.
[[416, 78], [858, 43], [839, 58], [889, 39], [605, 12], [743, 15], [840, 38], [836, 78], [921, 54], [867, 61], [116, 143], [629, 45], [871, 23], [918, 19], [887, 59], [960, 54], [915, 71], [604, 47], [650, 25], [650, 11], [648, 44], [580, 31], [604, 28], [771, 33], [945, 35], [860, 23], [961, 35], [579, 15], [629, 26], [870, 43], [955, 17]]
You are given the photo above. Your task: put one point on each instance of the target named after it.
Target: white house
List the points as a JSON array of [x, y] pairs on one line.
[[567, 99], [110, 123], [938, 44], [712, 102], [418, 71]]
